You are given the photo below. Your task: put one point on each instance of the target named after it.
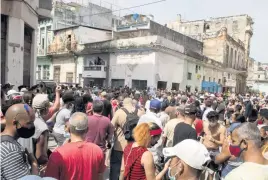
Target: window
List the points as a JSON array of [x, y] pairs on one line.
[[209, 79], [161, 85], [196, 68], [259, 76], [46, 73], [199, 67], [80, 79], [213, 79], [38, 72], [43, 43], [229, 76], [204, 78], [175, 86], [116, 83], [227, 56], [139, 84], [234, 63], [230, 59], [69, 77], [189, 76], [56, 74]]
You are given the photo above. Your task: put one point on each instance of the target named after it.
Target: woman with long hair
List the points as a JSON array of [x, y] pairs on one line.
[[137, 161]]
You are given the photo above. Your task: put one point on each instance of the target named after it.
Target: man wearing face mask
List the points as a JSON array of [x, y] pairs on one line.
[[246, 142], [16, 162], [215, 133], [187, 160]]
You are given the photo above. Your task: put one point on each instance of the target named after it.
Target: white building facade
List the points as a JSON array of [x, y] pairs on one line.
[[19, 26], [142, 62]]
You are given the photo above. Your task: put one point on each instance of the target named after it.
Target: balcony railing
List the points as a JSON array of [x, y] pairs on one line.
[[95, 68], [94, 71], [62, 48]]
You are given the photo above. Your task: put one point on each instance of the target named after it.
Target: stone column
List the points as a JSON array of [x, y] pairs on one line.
[[15, 47], [33, 58]]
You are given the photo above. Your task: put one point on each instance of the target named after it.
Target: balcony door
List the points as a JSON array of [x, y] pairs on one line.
[[56, 74]]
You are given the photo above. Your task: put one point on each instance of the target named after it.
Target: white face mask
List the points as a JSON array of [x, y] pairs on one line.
[[265, 155]]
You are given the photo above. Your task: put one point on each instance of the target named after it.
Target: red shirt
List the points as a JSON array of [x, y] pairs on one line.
[[198, 126], [76, 161]]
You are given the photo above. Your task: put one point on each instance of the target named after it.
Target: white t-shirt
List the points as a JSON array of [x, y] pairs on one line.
[[249, 171], [208, 109], [150, 117], [62, 117]]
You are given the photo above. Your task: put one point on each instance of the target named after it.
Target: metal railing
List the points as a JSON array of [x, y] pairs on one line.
[[95, 68]]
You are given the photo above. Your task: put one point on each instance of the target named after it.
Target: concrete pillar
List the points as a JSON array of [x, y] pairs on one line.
[[15, 46], [33, 58], [45, 45]]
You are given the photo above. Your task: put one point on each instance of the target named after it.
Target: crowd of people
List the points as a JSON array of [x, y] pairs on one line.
[[135, 135]]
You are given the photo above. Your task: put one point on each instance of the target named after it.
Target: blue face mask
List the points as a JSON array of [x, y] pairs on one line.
[[169, 173]]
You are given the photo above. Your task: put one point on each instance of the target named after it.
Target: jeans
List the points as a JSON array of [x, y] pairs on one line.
[[115, 164]]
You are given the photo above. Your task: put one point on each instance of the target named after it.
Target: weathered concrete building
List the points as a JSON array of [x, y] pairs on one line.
[[64, 16], [19, 26], [257, 76], [240, 31], [65, 62], [224, 49], [145, 54]]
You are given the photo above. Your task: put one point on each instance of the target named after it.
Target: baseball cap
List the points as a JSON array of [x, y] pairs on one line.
[[190, 109], [40, 101], [192, 152], [103, 93], [11, 92], [79, 121], [155, 104], [184, 98], [23, 90]]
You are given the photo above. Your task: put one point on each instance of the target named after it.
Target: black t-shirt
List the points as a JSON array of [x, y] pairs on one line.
[[183, 131], [107, 108]]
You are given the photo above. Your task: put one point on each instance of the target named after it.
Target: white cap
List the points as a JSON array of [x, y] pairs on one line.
[[10, 92], [23, 90], [192, 152], [212, 95]]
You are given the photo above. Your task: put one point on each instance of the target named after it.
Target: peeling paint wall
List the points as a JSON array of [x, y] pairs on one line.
[[67, 65]]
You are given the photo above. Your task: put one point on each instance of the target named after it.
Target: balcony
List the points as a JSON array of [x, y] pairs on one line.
[[94, 71], [62, 48], [41, 52], [44, 10]]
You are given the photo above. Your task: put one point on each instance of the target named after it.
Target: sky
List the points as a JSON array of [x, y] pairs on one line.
[[167, 11]]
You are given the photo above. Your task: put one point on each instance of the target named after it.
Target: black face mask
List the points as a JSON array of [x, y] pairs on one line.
[[26, 132], [3, 127]]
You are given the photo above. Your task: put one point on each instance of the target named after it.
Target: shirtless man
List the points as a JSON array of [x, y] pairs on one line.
[[215, 133]]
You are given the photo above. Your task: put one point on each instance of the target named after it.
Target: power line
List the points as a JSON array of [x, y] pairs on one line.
[[128, 8]]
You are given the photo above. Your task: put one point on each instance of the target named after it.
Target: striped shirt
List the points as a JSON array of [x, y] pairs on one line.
[[14, 163]]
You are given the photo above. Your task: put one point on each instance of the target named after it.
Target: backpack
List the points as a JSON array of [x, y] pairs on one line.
[[131, 122]]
